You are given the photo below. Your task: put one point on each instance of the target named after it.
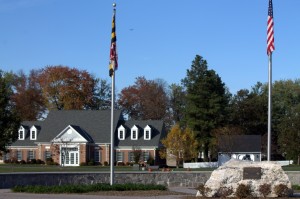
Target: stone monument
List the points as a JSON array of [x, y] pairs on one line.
[[252, 174]]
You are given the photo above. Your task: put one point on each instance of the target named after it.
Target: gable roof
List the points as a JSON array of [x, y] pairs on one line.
[[239, 143], [94, 126], [95, 123]]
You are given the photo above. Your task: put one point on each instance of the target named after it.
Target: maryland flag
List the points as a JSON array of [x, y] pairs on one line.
[[113, 63]]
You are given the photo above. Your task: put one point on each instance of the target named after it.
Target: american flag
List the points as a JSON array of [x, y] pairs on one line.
[[113, 57], [270, 31]]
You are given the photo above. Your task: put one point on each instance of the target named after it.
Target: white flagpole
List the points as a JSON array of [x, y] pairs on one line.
[[112, 129], [270, 107], [112, 137]]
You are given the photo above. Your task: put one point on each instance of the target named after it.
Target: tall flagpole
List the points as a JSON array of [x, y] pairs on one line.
[[270, 49], [113, 68], [270, 107], [112, 137]]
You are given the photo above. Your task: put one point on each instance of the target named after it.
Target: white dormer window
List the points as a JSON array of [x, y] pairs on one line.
[[134, 133], [147, 133], [33, 133], [121, 133], [21, 133]]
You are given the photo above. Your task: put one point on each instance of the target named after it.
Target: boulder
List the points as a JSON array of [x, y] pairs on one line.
[[252, 174]]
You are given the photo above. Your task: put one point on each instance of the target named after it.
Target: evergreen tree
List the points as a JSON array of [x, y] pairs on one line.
[[9, 120], [207, 101]]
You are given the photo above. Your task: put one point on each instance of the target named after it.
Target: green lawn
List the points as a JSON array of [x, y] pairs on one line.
[[11, 168]]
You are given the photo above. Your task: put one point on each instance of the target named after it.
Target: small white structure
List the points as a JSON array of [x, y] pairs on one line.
[[240, 147]]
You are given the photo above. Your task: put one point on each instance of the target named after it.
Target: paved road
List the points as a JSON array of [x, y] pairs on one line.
[[7, 194]]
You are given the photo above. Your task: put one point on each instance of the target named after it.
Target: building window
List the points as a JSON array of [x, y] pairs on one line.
[[21, 133], [97, 156], [33, 133], [131, 156], [19, 155], [48, 155], [147, 133], [145, 156], [134, 133], [121, 133], [7, 156], [30, 155], [119, 156]]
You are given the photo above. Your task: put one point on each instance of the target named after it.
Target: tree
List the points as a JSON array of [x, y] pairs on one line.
[[66, 88], [207, 101], [9, 119], [145, 100], [289, 138], [28, 96], [180, 144], [177, 103]]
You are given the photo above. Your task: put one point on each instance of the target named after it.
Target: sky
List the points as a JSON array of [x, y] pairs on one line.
[[157, 39]]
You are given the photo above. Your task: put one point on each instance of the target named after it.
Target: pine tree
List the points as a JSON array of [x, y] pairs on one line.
[[207, 101]]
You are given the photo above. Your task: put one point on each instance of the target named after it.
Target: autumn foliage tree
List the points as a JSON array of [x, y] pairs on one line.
[[180, 144], [66, 88], [28, 96], [146, 99]]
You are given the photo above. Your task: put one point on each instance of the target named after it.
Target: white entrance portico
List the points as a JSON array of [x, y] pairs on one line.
[[69, 141]]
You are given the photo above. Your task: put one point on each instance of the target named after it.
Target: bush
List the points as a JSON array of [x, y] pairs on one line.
[[39, 161], [224, 192], [91, 162], [203, 190], [120, 164], [265, 189], [82, 164], [243, 191], [22, 162], [105, 163], [87, 188], [296, 187], [281, 190]]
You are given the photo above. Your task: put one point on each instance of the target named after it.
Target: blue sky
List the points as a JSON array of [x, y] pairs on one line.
[[155, 38]]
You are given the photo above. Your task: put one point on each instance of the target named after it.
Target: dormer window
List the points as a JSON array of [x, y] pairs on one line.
[[134, 133], [147, 133], [121, 133], [33, 133], [21, 133]]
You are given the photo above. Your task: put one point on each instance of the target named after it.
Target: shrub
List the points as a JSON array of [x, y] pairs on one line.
[[281, 190], [49, 161], [265, 189], [82, 164], [22, 162], [296, 187], [243, 191], [105, 163], [203, 190], [120, 164], [39, 161], [224, 192], [91, 162], [86, 188]]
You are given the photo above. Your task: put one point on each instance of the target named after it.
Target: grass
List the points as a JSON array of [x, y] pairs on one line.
[[15, 168], [88, 188]]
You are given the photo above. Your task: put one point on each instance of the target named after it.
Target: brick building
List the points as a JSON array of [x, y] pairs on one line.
[[80, 136]]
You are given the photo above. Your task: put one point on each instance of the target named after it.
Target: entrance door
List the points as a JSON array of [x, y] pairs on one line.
[[70, 156]]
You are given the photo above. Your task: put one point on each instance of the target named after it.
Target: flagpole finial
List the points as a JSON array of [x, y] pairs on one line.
[[114, 5]]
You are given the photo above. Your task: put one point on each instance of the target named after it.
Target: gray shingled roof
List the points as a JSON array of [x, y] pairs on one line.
[[93, 125], [157, 133], [240, 143]]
